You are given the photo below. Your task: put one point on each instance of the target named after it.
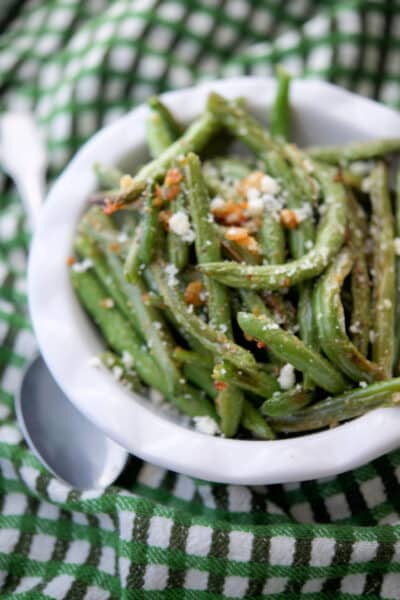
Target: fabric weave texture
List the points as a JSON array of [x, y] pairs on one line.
[[155, 534]]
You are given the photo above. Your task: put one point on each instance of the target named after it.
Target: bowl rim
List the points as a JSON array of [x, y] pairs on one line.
[[67, 340]]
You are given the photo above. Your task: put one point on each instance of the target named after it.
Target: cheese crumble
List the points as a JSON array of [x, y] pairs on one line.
[[287, 377]]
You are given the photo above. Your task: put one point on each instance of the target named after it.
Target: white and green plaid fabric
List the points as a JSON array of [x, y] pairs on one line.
[[155, 534]]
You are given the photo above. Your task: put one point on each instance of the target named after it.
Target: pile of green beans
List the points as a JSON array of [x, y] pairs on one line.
[[260, 293]]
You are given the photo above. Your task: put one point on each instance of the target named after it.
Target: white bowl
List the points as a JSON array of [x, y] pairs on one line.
[[322, 114]]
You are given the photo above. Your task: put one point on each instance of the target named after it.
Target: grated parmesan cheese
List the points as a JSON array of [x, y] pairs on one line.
[[127, 359], [217, 203], [81, 267], [171, 272], [287, 377], [95, 362], [206, 425], [180, 225], [269, 185]]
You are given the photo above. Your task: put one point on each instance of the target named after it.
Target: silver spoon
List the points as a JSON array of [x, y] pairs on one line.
[[67, 443]]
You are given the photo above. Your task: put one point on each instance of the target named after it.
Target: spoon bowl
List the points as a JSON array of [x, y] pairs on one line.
[[67, 443]]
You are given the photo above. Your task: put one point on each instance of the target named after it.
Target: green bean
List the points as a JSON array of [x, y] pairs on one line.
[[107, 177], [291, 349], [168, 118], [330, 237], [177, 248], [307, 322], [191, 340], [222, 175], [354, 151], [303, 170], [193, 139], [123, 339], [162, 131], [271, 153], [272, 239], [159, 136], [212, 340], [127, 376], [397, 228], [143, 244], [240, 123], [384, 286], [229, 403], [360, 283], [331, 411], [201, 377], [238, 253], [285, 403], [330, 322], [280, 113], [149, 319], [256, 381], [253, 421], [207, 243], [86, 248], [115, 330], [191, 357], [232, 169]]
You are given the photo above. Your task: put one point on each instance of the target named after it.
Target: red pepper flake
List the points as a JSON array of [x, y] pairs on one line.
[[71, 260], [173, 177], [260, 345], [220, 386]]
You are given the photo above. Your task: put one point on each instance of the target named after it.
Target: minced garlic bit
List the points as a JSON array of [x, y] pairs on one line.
[[81, 267], [180, 225], [287, 377], [171, 272], [206, 425], [363, 384], [397, 246], [309, 244], [372, 336]]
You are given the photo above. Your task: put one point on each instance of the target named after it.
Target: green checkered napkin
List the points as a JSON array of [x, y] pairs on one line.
[[79, 65]]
